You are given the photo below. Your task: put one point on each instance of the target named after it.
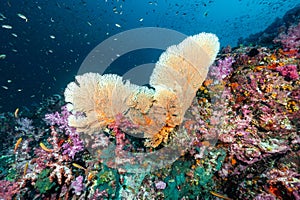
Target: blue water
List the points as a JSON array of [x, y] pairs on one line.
[[37, 65]]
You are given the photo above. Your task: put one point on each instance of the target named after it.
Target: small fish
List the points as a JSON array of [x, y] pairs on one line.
[[58, 5], [89, 23], [142, 19], [15, 35], [22, 17], [2, 16], [220, 195], [90, 176], [16, 113], [4, 87], [52, 36], [118, 25], [17, 144], [45, 148], [25, 169], [78, 166], [6, 26], [2, 56]]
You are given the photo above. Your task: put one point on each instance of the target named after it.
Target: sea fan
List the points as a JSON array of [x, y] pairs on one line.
[[178, 74]]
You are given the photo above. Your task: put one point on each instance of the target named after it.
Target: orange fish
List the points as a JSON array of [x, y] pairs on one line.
[[17, 144]]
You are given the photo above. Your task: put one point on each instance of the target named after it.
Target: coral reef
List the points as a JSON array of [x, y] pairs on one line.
[[241, 128]]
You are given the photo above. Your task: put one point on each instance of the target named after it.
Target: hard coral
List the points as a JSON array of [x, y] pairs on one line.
[[25, 125], [61, 173]]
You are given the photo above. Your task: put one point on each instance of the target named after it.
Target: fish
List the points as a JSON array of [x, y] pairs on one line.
[[90, 176], [17, 144], [220, 195], [2, 16], [4, 87], [6, 26], [45, 148], [16, 113], [118, 25], [22, 17], [52, 36], [2, 56], [25, 169], [78, 166], [15, 35]]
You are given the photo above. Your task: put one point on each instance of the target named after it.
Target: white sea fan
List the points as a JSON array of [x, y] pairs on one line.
[[177, 75], [184, 67]]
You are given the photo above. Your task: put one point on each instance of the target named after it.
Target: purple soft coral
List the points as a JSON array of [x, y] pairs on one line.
[[160, 185], [61, 120], [77, 185], [223, 69]]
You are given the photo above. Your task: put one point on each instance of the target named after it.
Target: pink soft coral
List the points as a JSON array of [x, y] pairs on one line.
[[289, 71], [8, 189]]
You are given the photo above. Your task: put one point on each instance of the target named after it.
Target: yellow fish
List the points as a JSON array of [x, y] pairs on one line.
[[220, 195], [45, 148], [16, 113], [78, 166], [25, 169]]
